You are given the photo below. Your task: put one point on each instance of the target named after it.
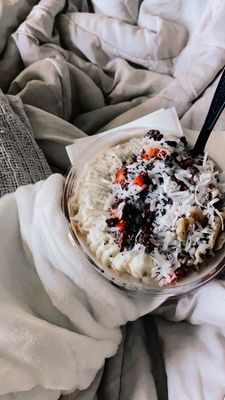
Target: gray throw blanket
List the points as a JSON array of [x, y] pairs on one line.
[[21, 160]]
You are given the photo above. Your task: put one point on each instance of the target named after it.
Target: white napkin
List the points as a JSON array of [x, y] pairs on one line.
[[160, 119]]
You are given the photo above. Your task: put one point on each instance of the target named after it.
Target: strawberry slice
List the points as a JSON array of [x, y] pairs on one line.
[[153, 152], [164, 281], [181, 272], [120, 225], [139, 179], [120, 175], [172, 277]]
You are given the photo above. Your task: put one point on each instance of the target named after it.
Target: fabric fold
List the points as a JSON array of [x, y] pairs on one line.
[[153, 42], [59, 314]]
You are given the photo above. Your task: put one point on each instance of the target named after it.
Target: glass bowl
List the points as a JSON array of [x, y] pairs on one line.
[[127, 282]]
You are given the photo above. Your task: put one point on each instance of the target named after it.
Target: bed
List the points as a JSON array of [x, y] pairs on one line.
[[70, 69]]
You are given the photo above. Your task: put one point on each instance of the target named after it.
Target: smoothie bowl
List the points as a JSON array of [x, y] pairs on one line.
[[145, 214]]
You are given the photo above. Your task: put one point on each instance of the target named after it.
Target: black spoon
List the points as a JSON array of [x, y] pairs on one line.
[[216, 108]]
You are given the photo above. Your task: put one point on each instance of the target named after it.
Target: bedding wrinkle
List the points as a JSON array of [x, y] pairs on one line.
[[151, 44], [125, 10], [80, 44]]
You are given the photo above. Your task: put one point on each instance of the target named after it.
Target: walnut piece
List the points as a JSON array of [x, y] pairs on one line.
[[215, 232], [196, 213], [214, 191]]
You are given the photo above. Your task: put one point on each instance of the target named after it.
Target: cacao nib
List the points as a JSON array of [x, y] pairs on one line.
[[174, 155], [181, 272], [128, 212], [181, 184], [112, 222], [186, 162], [144, 193], [145, 239], [147, 179], [169, 161], [150, 166], [154, 134], [193, 170], [139, 220], [171, 143], [183, 140], [132, 159], [170, 201], [219, 204], [121, 240]]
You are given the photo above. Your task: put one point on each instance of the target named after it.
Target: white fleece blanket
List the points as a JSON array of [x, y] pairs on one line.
[[60, 320]]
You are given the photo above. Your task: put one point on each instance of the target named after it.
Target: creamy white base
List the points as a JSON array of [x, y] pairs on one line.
[[91, 202]]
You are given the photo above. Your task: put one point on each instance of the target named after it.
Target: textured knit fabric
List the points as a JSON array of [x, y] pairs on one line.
[[21, 160]]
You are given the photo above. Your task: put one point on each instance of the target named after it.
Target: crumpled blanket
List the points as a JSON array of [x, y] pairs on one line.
[[86, 66], [101, 63], [59, 318]]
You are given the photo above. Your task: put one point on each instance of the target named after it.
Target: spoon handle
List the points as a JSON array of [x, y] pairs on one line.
[[216, 108]]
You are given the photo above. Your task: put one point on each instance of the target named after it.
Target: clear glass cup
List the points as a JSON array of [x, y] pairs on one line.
[[127, 282]]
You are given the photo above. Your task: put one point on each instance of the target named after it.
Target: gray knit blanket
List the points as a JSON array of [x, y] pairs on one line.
[[21, 159]]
